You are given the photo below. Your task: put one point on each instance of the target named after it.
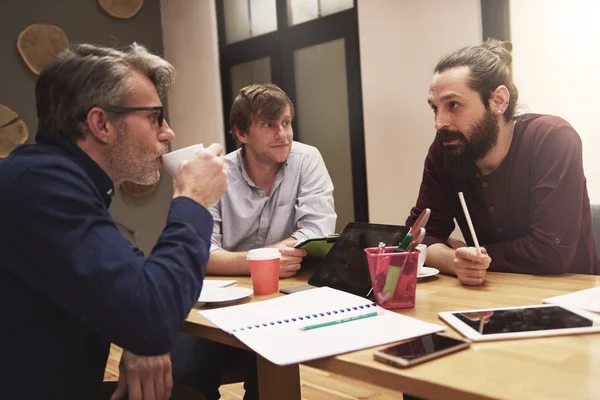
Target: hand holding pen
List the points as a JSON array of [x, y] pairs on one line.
[[470, 263]]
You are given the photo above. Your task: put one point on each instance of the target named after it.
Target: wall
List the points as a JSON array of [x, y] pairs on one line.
[[191, 45], [400, 43], [323, 121], [556, 70], [401, 40], [83, 21]]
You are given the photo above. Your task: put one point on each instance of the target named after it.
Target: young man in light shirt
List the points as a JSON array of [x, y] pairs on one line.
[[279, 192]]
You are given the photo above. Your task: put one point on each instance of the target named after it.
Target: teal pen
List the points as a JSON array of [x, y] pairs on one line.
[[339, 321]]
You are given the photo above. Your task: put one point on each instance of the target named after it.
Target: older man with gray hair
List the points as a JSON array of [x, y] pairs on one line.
[[70, 282]]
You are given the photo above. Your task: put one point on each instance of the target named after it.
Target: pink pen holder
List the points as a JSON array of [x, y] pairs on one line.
[[394, 276]]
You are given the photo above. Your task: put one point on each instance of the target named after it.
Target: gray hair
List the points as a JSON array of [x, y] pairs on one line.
[[87, 76]]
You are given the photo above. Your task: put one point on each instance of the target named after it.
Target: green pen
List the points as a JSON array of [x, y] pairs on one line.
[[393, 272], [405, 242], [339, 321]]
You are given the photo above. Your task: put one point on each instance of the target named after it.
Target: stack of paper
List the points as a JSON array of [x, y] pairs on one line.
[[588, 299]]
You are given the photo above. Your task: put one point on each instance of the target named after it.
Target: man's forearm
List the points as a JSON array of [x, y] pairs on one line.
[[441, 257], [222, 262]]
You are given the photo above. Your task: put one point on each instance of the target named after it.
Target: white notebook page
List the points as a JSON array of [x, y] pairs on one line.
[[272, 328]]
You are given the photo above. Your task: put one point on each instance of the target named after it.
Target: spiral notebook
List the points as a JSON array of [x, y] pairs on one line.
[[274, 328]]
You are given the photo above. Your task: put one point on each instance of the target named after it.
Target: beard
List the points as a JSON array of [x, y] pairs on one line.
[[461, 158], [132, 161]]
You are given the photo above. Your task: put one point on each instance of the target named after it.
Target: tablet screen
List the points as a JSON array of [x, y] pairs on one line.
[[345, 266], [315, 248], [528, 319]]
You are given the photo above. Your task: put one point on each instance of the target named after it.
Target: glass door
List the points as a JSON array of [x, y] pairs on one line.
[[310, 49]]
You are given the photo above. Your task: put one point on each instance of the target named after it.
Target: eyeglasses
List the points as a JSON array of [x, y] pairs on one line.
[[125, 110]]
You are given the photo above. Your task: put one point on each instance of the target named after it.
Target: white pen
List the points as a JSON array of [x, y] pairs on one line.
[[469, 222]]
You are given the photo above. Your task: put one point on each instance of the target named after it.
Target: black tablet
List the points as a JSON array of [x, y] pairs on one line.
[[345, 265]]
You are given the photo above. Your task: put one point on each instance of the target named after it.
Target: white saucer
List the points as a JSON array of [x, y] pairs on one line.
[[428, 271], [222, 295]]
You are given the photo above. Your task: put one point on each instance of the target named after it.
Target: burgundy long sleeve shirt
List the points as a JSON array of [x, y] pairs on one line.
[[532, 213]]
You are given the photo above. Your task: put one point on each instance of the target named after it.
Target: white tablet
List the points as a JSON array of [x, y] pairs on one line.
[[521, 322]]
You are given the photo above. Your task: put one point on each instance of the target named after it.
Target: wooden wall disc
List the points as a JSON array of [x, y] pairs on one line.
[[137, 190], [13, 131], [40, 43], [122, 9]]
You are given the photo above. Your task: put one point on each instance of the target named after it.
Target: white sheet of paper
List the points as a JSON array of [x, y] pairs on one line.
[[277, 337], [588, 299]]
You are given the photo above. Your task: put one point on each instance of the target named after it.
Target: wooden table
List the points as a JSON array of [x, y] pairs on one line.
[[540, 368]]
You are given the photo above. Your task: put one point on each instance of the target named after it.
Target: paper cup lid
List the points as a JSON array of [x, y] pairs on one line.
[[263, 254]]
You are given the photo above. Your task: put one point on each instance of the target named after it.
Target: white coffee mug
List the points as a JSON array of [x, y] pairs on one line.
[[172, 160], [422, 256]]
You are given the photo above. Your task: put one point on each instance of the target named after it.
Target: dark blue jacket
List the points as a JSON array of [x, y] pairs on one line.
[[71, 283]]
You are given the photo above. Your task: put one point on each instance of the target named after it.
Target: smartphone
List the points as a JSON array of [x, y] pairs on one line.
[[420, 349]]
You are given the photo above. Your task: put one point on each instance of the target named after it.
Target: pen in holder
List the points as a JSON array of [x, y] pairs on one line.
[[404, 266], [394, 270]]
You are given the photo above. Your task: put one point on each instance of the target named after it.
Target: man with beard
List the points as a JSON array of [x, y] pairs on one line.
[[70, 282], [522, 176], [279, 193]]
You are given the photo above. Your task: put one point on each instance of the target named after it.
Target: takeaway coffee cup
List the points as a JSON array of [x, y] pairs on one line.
[[264, 270]]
